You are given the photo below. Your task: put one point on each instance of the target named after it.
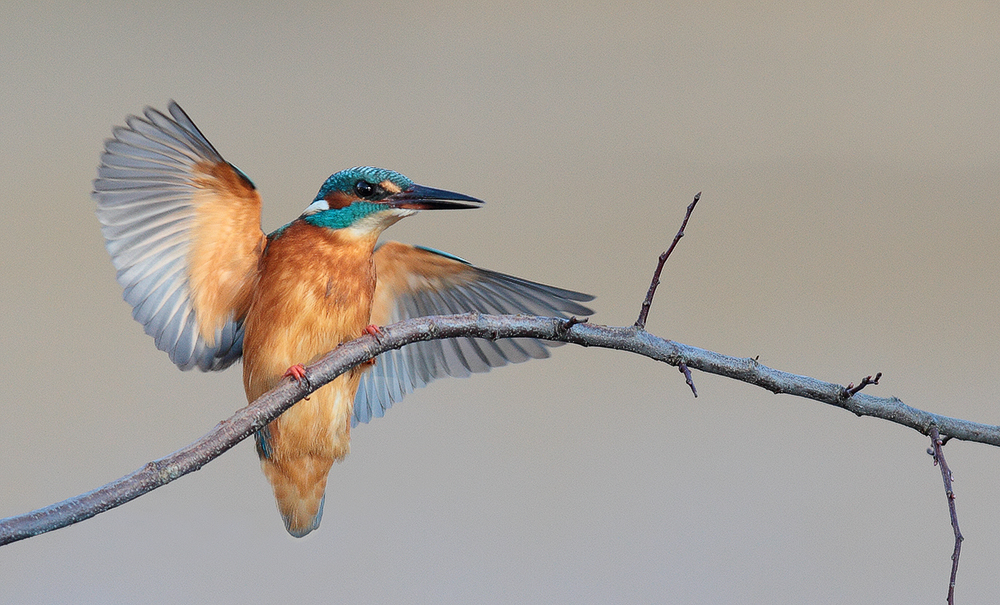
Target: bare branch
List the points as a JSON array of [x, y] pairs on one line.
[[644, 309], [938, 453], [632, 339]]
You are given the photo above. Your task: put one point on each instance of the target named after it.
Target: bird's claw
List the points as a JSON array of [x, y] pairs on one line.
[[377, 333], [298, 372]]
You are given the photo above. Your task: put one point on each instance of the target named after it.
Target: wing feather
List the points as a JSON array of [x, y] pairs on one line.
[[417, 282], [182, 226]]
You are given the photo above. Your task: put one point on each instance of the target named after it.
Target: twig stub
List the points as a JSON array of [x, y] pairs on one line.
[[684, 369], [851, 390]]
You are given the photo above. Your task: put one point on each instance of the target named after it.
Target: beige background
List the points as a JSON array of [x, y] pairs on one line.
[[849, 161]]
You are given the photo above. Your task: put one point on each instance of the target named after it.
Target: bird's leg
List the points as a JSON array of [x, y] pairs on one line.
[[376, 332], [298, 372]]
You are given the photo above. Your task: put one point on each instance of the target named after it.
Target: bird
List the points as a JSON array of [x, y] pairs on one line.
[[182, 226]]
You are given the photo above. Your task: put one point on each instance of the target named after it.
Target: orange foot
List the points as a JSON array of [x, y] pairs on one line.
[[298, 372], [376, 332]]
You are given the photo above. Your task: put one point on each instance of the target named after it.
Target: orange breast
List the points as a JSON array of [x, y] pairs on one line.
[[314, 291]]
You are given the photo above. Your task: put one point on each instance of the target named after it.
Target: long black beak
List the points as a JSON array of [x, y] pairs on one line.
[[419, 197]]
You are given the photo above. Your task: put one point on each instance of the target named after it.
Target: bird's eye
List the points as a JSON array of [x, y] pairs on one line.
[[364, 189]]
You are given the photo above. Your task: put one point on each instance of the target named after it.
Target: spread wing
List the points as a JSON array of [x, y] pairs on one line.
[[416, 282], [183, 229]]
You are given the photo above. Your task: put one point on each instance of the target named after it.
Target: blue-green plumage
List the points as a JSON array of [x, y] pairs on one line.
[[363, 186], [341, 218], [346, 180], [350, 196], [263, 441]]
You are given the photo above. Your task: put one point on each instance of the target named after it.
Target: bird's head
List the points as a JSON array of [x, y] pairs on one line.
[[370, 199]]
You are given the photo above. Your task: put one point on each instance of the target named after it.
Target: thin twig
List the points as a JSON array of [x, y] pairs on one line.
[[938, 453], [640, 323]]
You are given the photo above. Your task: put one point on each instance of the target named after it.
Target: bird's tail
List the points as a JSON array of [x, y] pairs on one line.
[[299, 488], [298, 449]]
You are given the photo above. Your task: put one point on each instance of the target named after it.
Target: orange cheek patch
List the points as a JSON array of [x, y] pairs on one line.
[[338, 199], [390, 187]]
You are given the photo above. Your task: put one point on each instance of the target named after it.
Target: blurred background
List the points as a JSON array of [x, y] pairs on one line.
[[849, 160]]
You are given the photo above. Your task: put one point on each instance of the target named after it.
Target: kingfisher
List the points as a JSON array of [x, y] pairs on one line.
[[182, 226]]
